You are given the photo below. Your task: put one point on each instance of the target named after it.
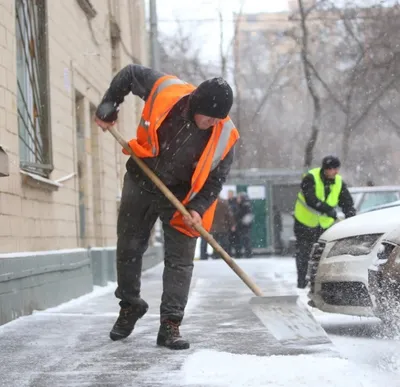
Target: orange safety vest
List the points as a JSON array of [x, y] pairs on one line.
[[166, 92]]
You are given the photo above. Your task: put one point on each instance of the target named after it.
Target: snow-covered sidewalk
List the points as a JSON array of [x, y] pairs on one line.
[[69, 345]]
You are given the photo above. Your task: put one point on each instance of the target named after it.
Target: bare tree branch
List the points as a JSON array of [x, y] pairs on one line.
[[346, 23], [267, 93], [351, 125], [392, 122], [237, 26], [308, 156], [326, 87]]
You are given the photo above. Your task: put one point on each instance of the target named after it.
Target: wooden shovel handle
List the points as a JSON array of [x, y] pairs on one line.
[[181, 208]]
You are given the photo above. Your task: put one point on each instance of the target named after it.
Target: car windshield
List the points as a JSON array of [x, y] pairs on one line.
[[373, 199], [356, 197]]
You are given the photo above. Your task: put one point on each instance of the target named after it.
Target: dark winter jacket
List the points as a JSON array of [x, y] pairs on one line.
[[232, 202], [345, 199], [181, 142], [223, 218], [244, 214]]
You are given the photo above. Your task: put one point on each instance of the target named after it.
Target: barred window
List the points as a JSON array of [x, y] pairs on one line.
[[32, 87]]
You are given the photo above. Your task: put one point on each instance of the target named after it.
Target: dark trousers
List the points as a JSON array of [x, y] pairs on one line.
[[278, 243], [139, 211], [203, 249], [222, 239], [305, 239], [232, 242], [243, 241]]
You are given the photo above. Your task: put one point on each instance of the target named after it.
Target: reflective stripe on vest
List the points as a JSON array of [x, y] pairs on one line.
[[161, 87], [222, 142], [311, 217], [146, 124], [219, 152]]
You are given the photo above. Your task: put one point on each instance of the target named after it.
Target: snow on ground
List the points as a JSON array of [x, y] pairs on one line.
[[365, 341], [211, 368], [368, 358], [98, 291]]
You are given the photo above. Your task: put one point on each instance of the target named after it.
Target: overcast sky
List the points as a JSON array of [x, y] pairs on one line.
[[170, 9], [201, 18]]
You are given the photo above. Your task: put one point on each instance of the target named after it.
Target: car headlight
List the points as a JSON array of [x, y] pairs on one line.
[[357, 245]]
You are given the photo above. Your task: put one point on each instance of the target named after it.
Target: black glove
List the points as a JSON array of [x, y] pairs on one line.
[[350, 213], [107, 112], [332, 213]]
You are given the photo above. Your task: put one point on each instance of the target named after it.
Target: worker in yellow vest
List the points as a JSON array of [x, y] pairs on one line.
[[322, 190]]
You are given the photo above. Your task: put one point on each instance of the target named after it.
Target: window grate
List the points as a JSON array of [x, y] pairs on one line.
[[32, 107]]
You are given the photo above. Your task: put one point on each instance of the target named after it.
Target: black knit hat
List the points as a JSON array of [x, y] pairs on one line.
[[212, 98], [330, 162]]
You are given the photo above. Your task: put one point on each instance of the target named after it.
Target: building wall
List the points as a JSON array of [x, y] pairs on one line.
[[267, 32], [37, 215]]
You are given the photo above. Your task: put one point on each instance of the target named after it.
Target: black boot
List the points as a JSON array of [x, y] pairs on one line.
[[128, 316], [169, 336], [302, 284]]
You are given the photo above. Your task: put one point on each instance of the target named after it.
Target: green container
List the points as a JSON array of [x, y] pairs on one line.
[[259, 231], [266, 189]]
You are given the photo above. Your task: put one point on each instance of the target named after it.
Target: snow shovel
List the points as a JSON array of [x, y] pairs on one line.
[[282, 315]]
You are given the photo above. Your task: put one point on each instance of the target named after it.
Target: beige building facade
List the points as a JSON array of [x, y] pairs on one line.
[[63, 174]]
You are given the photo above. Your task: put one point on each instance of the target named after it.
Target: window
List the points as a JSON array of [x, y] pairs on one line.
[[372, 199], [251, 18], [32, 81]]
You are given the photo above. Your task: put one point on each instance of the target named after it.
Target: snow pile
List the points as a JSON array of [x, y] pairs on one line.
[[97, 291], [393, 363], [211, 368]]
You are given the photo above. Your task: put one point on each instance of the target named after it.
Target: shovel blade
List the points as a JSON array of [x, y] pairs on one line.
[[288, 320]]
